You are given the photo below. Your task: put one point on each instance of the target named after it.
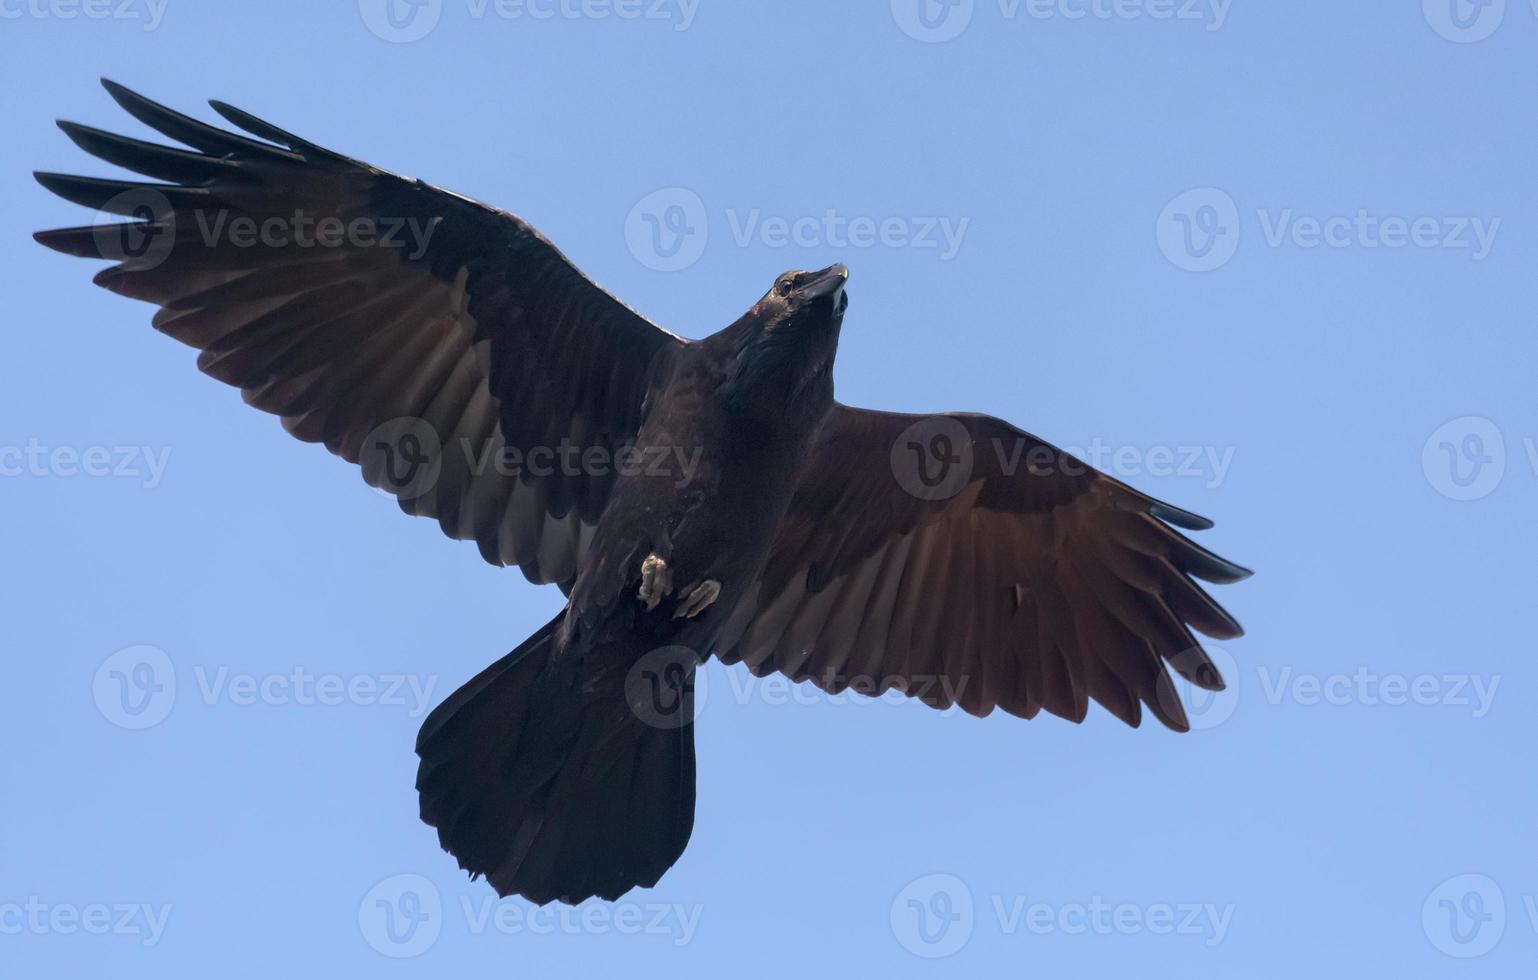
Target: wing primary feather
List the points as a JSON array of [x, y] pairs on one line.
[[267, 131], [123, 197], [185, 129], [150, 159]]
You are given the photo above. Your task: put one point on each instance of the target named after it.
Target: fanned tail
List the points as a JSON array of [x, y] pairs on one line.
[[541, 775]]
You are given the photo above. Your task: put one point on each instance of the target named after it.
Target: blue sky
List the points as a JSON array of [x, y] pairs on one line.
[[1271, 262]]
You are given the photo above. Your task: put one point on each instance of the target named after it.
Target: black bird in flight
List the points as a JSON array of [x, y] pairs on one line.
[[689, 497]]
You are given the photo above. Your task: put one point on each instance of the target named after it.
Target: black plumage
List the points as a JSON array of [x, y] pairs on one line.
[[757, 518]]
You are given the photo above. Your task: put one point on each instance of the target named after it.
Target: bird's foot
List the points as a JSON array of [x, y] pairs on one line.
[[697, 598], [656, 581]]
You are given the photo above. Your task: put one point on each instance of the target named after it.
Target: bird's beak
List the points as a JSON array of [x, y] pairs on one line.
[[828, 282]]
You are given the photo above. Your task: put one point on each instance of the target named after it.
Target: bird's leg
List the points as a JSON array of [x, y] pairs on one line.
[[697, 598], [656, 580]]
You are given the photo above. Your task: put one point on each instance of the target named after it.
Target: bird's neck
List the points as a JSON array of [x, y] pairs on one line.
[[776, 378]]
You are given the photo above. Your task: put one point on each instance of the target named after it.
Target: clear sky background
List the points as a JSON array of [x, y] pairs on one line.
[[1340, 385]]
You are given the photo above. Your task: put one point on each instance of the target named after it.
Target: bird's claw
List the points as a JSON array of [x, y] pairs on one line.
[[697, 598], [656, 581]]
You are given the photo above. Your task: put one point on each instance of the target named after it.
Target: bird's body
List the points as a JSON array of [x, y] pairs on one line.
[[725, 423], [712, 497], [728, 447]]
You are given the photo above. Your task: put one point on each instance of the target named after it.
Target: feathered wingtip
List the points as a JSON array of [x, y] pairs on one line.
[[188, 175]]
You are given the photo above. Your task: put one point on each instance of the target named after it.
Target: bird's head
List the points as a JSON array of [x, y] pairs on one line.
[[786, 342], [806, 301], [792, 332]]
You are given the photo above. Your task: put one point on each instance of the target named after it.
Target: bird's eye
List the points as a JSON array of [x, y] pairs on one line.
[[782, 287]]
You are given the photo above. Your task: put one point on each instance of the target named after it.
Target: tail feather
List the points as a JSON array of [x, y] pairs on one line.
[[544, 780]]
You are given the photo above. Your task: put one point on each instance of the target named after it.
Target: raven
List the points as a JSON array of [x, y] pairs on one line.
[[689, 497]]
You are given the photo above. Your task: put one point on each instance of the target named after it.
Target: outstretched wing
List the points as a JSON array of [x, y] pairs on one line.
[[965, 562], [445, 346]]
